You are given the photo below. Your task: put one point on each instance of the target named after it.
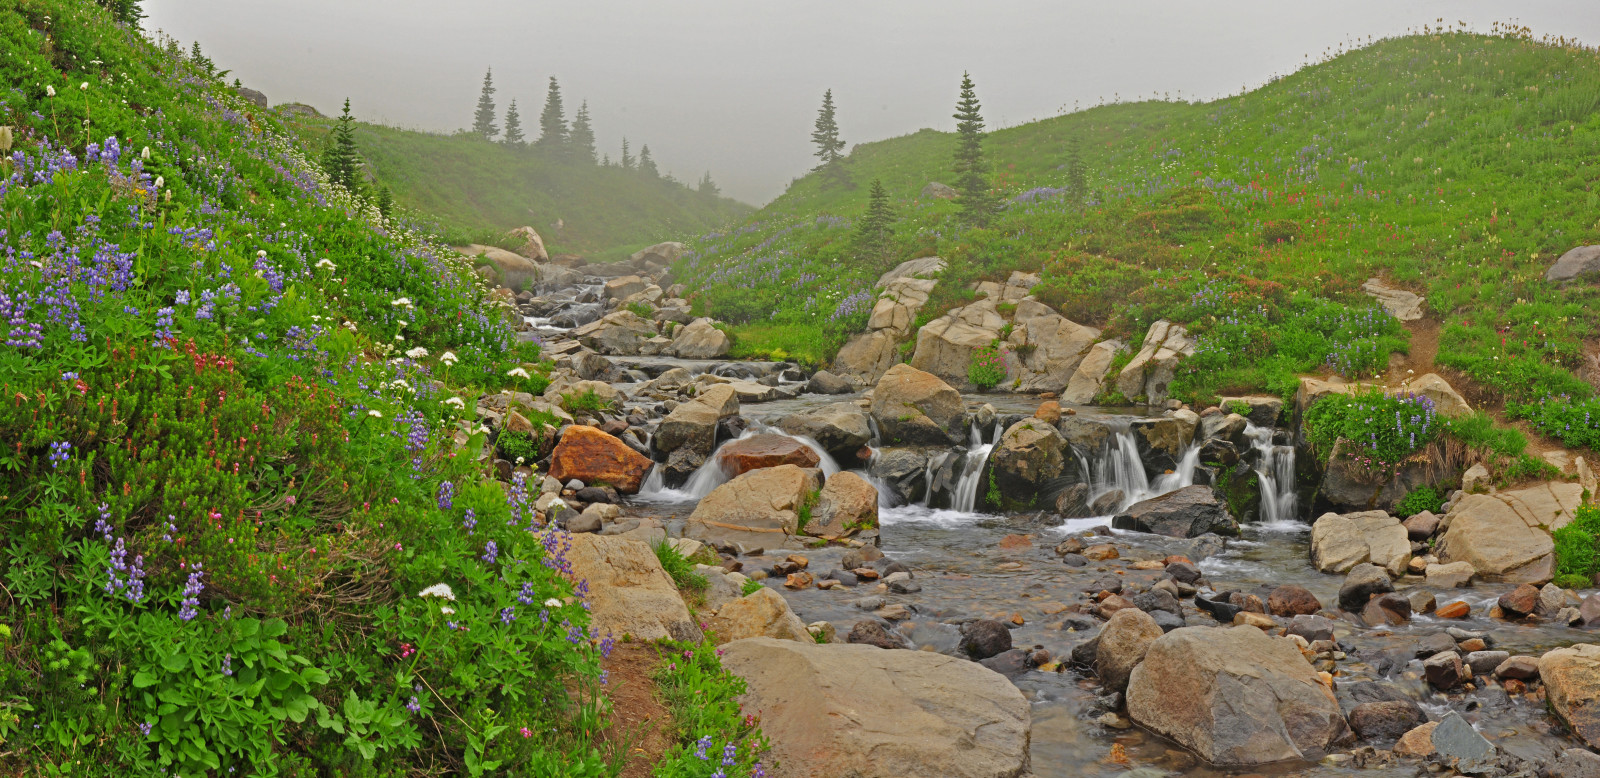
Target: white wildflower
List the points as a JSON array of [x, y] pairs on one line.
[[517, 372], [552, 603], [417, 353], [456, 402], [262, 254], [447, 610], [404, 301], [84, 86], [375, 414], [438, 590], [327, 263], [144, 153], [399, 384], [161, 181], [49, 91], [448, 357]]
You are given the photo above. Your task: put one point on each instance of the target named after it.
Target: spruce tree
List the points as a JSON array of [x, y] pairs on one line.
[[483, 121], [825, 133], [553, 122], [1077, 188], [977, 204], [627, 160], [513, 134], [708, 187], [124, 11], [647, 165], [200, 59], [873, 231], [581, 138], [385, 201], [341, 161], [605, 161]]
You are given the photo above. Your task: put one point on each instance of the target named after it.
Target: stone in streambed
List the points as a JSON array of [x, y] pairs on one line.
[[1457, 742], [1387, 720], [840, 428], [753, 453], [984, 638], [1362, 582], [846, 505], [1185, 513], [1123, 643], [1291, 600], [1571, 678], [917, 408], [874, 633], [593, 457]]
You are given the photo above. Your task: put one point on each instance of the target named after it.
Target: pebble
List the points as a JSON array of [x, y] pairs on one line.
[[1101, 552], [895, 612], [904, 586]]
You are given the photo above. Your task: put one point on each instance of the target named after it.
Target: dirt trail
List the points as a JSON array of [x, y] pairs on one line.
[[639, 722]]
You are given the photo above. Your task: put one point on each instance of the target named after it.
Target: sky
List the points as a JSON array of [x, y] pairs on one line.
[[733, 86]]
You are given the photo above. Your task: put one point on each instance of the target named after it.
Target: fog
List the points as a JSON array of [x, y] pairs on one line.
[[733, 87]]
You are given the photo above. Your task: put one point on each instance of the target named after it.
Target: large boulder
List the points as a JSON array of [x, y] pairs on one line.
[[759, 508], [1150, 371], [766, 450], [660, 254], [1090, 376], [1446, 400], [512, 270], [1235, 696], [532, 245], [1506, 535], [1052, 346], [700, 339], [946, 345], [1340, 542], [915, 407], [629, 593], [1185, 513], [857, 710], [867, 356], [1348, 482], [1571, 678], [846, 505], [598, 459], [1400, 304], [761, 614], [1123, 644], [622, 333], [1581, 262], [904, 290], [841, 428], [1030, 454], [904, 471], [694, 423]]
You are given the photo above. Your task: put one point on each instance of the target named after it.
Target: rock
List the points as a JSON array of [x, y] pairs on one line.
[[513, 271], [1417, 742], [768, 450], [939, 191], [1458, 744], [256, 98], [1506, 535], [857, 558], [873, 633], [1422, 601], [762, 613], [1520, 601], [1101, 552], [1446, 400], [1183, 572], [1571, 679], [984, 638], [1161, 442], [946, 346], [914, 407], [629, 592], [1552, 599], [1485, 662], [1452, 576], [694, 424], [1123, 643], [1089, 379], [620, 332], [1053, 346], [532, 245], [759, 508], [1264, 409], [1575, 763], [1392, 608], [1185, 513], [1312, 628], [1155, 366], [1291, 600], [1400, 304], [841, 428], [1475, 479], [839, 709], [824, 382], [1363, 581], [1421, 526], [660, 254], [1252, 619], [1158, 599], [700, 339], [1444, 670], [1582, 262], [1340, 542], [1385, 720], [1027, 457], [592, 456], [846, 505], [1521, 668], [1235, 696], [1589, 612]]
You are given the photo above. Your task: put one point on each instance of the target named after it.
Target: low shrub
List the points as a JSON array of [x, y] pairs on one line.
[[1421, 499], [1383, 431], [713, 735], [1577, 558], [987, 367]]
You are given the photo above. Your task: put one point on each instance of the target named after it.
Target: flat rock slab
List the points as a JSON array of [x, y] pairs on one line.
[[629, 592], [1400, 304]]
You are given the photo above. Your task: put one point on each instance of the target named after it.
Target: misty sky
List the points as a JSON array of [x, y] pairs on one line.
[[732, 86]]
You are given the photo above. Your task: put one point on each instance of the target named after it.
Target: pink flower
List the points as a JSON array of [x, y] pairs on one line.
[[526, 732]]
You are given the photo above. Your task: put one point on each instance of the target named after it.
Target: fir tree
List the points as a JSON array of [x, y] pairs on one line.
[[553, 122], [581, 138], [124, 11], [977, 204], [483, 121], [708, 187], [1077, 189], [647, 165], [825, 134], [627, 160], [341, 161], [605, 161], [200, 59], [513, 136], [874, 229], [385, 201]]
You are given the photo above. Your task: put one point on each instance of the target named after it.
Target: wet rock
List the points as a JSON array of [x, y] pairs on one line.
[[759, 451], [905, 587], [762, 613], [700, 339], [1101, 553], [1219, 610], [1521, 668], [1444, 670], [1571, 679], [1160, 442], [984, 638], [1434, 643], [1552, 599], [1168, 621], [1450, 576], [840, 428], [903, 470], [1247, 602], [874, 633], [870, 603], [1291, 600], [1363, 581], [1385, 720], [1391, 609], [1506, 535], [1520, 601], [1184, 572], [1421, 601], [860, 557], [1458, 744], [1122, 646], [1029, 454], [760, 507], [846, 505], [1075, 560], [915, 407], [594, 457], [1421, 526], [1069, 546], [1185, 513], [1417, 742], [629, 592], [1234, 696], [1312, 628], [824, 382], [621, 332], [1485, 662], [1257, 620], [1589, 612], [1340, 542], [1012, 664], [1158, 599], [1454, 610], [840, 709], [694, 424], [1575, 763]]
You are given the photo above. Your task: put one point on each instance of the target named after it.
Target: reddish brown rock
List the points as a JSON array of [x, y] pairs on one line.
[[1291, 600], [798, 581], [1049, 412], [1101, 553], [598, 459], [1520, 601], [1388, 609], [1013, 542], [1454, 610], [758, 451]]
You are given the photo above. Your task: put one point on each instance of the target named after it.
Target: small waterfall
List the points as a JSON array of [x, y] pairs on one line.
[[711, 475], [1275, 469], [887, 497], [970, 482], [1118, 468]]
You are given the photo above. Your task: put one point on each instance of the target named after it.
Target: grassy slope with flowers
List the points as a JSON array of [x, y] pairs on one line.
[[1456, 165], [230, 407]]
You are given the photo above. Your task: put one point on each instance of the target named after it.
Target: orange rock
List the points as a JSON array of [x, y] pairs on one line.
[[1149, 564], [1454, 610], [1177, 558], [797, 581], [1010, 542], [1049, 412], [595, 458], [866, 573], [1101, 552], [758, 451], [1016, 618]]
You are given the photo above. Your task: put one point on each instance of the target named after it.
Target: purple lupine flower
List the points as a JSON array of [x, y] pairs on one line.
[[227, 664], [414, 705], [447, 494], [60, 451], [508, 614], [700, 747], [191, 595], [491, 552], [469, 521], [729, 751]]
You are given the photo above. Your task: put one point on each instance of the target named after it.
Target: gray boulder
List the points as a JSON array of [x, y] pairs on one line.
[[1575, 264], [1186, 513]]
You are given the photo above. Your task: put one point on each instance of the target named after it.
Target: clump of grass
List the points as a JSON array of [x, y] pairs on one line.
[[679, 568], [1577, 558]]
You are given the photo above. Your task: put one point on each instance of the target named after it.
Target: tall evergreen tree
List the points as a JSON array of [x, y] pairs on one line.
[[825, 134], [605, 161], [553, 122], [342, 161], [647, 165], [483, 121], [1077, 188], [708, 187], [513, 136], [970, 167], [627, 160], [873, 230], [581, 138]]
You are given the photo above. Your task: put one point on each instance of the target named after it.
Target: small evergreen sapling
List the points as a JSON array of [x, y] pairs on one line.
[[513, 135], [825, 134], [874, 229], [581, 138], [647, 165], [483, 121]]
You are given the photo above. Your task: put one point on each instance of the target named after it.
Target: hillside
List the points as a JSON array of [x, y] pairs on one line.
[[1455, 165], [477, 188], [236, 536]]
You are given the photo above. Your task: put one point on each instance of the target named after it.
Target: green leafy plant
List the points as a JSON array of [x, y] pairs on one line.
[[1577, 557], [586, 402], [1424, 498], [987, 367], [803, 512], [712, 734], [1238, 406], [751, 586], [642, 310], [678, 567]]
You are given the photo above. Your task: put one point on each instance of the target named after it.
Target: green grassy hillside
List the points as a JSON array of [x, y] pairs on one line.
[[1455, 165], [473, 187]]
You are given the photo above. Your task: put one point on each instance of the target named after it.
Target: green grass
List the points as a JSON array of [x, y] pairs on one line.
[[679, 568], [478, 190], [1456, 165], [1577, 558]]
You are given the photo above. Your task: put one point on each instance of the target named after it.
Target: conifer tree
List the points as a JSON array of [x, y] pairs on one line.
[[342, 161], [581, 138], [825, 133], [977, 204], [647, 165], [553, 122], [513, 135], [385, 201], [483, 121], [200, 59], [1077, 189], [708, 187], [606, 160], [627, 160], [873, 231], [124, 11]]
